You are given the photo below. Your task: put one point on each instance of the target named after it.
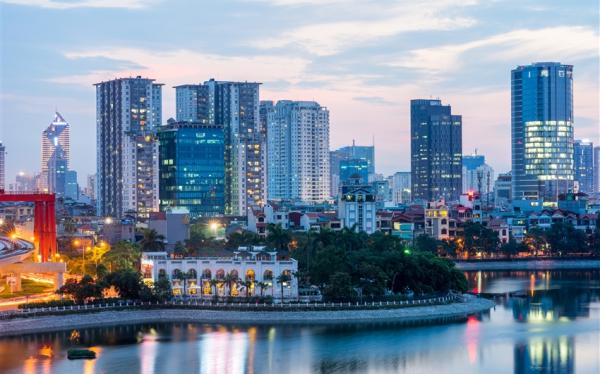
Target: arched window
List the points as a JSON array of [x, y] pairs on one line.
[[268, 275], [444, 232], [234, 274], [221, 274], [162, 273], [250, 275], [444, 221], [206, 274], [176, 274], [192, 274]]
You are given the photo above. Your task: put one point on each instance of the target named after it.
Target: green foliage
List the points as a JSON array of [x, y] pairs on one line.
[[162, 289], [244, 238], [81, 291], [426, 243], [151, 241], [563, 238], [128, 283], [340, 288], [479, 238], [277, 237]]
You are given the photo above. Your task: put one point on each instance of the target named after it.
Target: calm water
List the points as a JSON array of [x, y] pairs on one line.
[[551, 325]]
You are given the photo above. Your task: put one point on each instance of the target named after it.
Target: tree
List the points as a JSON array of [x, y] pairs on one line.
[[81, 291], [244, 238], [339, 288], [128, 283], [162, 289], [513, 248], [152, 241], [262, 286], [564, 238], [426, 243], [122, 256], [277, 237], [282, 279], [478, 238], [230, 280]]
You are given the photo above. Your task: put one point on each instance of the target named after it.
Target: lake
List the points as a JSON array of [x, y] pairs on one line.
[[544, 322]]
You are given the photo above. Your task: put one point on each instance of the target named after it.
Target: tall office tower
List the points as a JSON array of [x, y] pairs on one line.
[[235, 107], [477, 175], [503, 190], [298, 136], [366, 153], [400, 187], [57, 134], [583, 164], [71, 185], [57, 168], [24, 183], [436, 151], [597, 169], [353, 168], [542, 130], [128, 111], [192, 168], [2, 167]]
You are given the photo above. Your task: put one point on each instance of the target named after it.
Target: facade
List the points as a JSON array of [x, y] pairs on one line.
[[542, 130], [503, 190], [366, 153], [298, 143], [57, 134], [173, 224], [353, 167], [2, 167], [436, 151], [90, 189], [71, 185], [477, 176], [56, 171], [583, 164], [235, 107], [357, 206], [236, 276], [191, 168], [597, 169], [438, 223], [400, 187], [128, 111]]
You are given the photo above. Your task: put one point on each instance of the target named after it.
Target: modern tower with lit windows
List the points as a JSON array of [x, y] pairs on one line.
[[436, 151], [128, 112], [542, 130]]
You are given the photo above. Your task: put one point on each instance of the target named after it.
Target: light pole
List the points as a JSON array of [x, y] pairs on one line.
[[76, 244]]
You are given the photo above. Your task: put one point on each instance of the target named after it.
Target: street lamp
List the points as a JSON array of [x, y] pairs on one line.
[[214, 227], [108, 220]]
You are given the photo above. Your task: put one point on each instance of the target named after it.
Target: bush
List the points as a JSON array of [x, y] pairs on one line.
[[46, 304]]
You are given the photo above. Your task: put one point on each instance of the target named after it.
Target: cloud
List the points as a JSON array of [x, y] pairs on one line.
[[564, 43], [369, 22], [374, 100], [62, 4]]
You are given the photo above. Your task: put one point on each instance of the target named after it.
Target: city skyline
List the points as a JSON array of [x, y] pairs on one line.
[[364, 74]]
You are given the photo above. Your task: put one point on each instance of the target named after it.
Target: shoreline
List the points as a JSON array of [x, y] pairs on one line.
[[526, 264], [55, 323]]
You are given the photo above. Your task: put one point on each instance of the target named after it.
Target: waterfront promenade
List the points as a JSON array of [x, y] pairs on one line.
[[566, 264], [413, 314]]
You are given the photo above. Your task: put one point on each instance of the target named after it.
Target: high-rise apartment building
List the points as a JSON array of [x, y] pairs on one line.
[[128, 111], [503, 190], [235, 107], [90, 189], [542, 130], [400, 187], [298, 143], [583, 164], [57, 134], [436, 151], [2, 167], [192, 168], [597, 169]]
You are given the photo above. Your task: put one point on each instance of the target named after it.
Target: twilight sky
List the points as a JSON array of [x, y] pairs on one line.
[[364, 60]]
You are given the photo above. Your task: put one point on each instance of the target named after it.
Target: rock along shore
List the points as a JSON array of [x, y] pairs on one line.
[[528, 265], [433, 313]]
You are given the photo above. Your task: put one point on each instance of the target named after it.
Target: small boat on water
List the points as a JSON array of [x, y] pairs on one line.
[[77, 354]]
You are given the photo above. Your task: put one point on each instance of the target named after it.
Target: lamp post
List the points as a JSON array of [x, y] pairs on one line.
[[76, 244]]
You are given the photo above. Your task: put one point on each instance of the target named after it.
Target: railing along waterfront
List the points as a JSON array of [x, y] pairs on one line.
[[201, 304]]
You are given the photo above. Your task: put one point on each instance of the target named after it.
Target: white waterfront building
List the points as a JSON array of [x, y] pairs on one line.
[[252, 271]]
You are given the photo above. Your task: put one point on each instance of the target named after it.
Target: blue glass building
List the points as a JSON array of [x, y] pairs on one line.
[[542, 130], [192, 168], [583, 161], [352, 168]]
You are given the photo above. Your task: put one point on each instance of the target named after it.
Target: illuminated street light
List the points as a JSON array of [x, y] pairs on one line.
[[108, 220]]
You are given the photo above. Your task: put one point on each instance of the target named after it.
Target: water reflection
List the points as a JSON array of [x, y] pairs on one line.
[[555, 329]]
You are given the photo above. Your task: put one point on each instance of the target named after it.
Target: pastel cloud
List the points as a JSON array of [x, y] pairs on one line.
[[61, 4]]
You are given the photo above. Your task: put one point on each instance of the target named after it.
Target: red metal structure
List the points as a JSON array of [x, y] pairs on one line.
[[44, 220]]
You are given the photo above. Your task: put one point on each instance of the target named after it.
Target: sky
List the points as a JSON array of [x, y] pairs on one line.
[[364, 60]]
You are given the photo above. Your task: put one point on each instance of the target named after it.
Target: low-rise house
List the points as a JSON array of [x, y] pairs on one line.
[[252, 271]]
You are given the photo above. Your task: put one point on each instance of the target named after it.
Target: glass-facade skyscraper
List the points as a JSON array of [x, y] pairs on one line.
[[235, 107], [352, 168], [583, 162], [192, 168], [363, 152], [436, 151], [542, 130]]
